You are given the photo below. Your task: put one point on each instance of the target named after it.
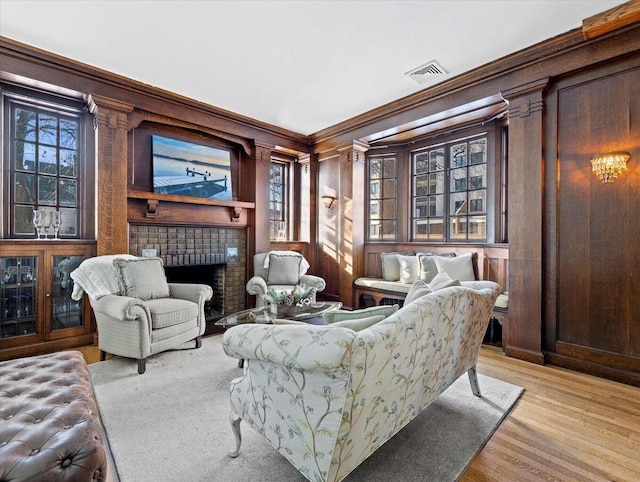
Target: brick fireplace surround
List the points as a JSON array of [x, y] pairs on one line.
[[181, 246]]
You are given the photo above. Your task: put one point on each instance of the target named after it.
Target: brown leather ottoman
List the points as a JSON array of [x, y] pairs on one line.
[[50, 427]]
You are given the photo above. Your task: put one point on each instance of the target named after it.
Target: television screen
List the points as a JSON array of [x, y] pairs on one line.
[[188, 169]]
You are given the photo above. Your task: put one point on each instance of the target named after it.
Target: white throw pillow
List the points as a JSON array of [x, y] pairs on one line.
[[427, 265], [418, 290], [408, 268], [341, 315], [460, 267], [442, 280], [358, 324]]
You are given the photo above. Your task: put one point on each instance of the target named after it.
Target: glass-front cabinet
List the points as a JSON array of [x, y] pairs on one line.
[[18, 277], [37, 312]]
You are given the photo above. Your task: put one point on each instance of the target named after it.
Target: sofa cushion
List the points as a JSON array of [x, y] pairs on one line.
[[142, 278], [359, 323], [284, 269], [341, 315], [460, 267], [418, 290], [171, 311], [442, 280]]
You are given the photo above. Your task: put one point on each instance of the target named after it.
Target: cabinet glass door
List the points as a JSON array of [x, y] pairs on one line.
[[18, 277], [67, 312]]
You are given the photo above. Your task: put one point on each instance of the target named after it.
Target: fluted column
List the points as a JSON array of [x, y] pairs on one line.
[[110, 122]]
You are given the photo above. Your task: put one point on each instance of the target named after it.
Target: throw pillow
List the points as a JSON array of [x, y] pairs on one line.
[[335, 316], [358, 324], [428, 268], [408, 268], [460, 267], [142, 278], [391, 265], [283, 269], [442, 280], [418, 290]]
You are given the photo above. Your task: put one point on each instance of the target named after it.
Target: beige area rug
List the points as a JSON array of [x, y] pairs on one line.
[[171, 424]]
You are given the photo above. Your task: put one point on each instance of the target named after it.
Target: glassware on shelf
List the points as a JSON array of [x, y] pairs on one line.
[[57, 221], [38, 222]]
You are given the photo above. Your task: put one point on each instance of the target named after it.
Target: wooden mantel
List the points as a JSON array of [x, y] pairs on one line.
[[152, 211]]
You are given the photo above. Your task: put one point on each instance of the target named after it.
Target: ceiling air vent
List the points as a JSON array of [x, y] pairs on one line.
[[425, 73]]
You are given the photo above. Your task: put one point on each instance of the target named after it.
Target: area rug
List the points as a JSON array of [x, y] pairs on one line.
[[171, 424]]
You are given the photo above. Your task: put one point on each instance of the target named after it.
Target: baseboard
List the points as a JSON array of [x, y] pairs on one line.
[[524, 354]]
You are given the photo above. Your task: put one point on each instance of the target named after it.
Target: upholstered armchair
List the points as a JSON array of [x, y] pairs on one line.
[[280, 270], [137, 311]]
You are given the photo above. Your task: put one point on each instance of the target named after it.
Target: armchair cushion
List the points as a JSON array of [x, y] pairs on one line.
[[171, 311], [284, 269], [143, 278]]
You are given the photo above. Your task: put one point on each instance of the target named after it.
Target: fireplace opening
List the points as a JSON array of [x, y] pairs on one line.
[[209, 274]]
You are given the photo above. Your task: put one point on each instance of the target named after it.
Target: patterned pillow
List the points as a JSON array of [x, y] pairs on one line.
[[142, 278], [284, 269], [335, 316], [460, 267]]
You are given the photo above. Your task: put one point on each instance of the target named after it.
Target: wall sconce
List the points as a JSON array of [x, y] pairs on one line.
[[609, 166], [328, 201]]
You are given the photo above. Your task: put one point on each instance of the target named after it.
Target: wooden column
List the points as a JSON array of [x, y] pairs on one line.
[[351, 205], [525, 209], [111, 124], [262, 163]]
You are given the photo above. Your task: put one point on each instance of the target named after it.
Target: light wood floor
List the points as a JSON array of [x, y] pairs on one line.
[[567, 426]]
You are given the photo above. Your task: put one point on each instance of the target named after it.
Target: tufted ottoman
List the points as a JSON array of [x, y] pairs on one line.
[[50, 427]]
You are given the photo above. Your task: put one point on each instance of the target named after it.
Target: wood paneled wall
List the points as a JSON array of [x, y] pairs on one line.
[[595, 259]]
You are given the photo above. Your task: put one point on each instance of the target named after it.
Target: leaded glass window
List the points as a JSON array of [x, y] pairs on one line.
[[45, 157]]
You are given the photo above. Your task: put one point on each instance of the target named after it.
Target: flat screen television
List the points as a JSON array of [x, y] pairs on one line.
[[188, 169]]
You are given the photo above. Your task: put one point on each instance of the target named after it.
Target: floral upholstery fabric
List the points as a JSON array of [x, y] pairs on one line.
[[326, 397]]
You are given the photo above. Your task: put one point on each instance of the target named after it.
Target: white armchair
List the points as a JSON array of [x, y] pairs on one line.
[[282, 270], [137, 311]]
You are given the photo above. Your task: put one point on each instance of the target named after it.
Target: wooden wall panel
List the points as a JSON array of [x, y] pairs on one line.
[[598, 259]]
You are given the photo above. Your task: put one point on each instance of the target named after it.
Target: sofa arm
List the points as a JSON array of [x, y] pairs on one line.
[[198, 293], [120, 307], [313, 281], [308, 347]]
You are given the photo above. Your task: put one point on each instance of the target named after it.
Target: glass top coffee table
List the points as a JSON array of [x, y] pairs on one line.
[[311, 313]]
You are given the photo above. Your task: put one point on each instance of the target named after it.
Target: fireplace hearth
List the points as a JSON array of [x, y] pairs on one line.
[[199, 255]]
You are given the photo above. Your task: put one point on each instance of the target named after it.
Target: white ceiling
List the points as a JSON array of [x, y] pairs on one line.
[[303, 65]]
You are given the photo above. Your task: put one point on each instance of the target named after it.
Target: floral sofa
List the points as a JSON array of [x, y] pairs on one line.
[[327, 396]]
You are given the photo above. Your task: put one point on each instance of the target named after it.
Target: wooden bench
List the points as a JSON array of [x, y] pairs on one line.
[[490, 263]]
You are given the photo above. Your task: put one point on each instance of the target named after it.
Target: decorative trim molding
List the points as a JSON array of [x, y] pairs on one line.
[[138, 116]]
